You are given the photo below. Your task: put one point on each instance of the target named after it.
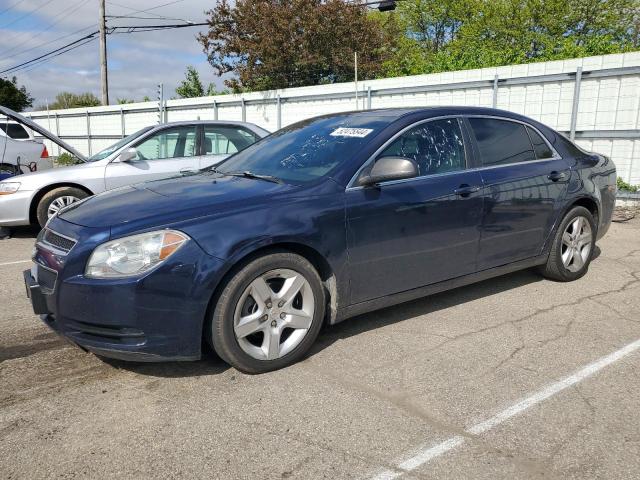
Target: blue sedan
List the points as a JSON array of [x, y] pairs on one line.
[[328, 218]]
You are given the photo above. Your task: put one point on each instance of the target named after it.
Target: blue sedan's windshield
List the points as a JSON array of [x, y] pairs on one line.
[[307, 150], [120, 143]]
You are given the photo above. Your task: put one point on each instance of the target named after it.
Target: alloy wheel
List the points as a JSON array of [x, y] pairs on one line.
[[274, 314], [59, 203], [576, 244]]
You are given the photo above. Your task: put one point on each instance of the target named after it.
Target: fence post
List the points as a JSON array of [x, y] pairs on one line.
[[495, 91], [57, 130], [369, 97], [215, 110], [88, 132], [279, 112], [576, 101], [122, 122], [160, 103], [244, 109]]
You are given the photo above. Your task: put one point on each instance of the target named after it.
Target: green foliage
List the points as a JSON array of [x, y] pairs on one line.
[[192, 86], [65, 159], [73, 100], [14, 97], [443, 35], [626, 187], [124, 101], [289, 43], [146, 98]]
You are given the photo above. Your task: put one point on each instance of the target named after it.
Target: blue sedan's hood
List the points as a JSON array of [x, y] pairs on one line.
[[167, 201]]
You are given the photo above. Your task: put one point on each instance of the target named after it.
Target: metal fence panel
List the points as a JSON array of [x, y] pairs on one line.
[[598, 98]]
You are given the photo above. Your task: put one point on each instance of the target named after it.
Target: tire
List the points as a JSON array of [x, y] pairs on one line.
[[62, 195], [571, 252], [243, 329]]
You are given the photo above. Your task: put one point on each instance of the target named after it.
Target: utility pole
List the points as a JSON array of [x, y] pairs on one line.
[[355, 61], [103, 54]]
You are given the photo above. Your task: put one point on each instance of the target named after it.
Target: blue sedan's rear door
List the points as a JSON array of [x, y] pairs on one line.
[[410, 233], [525, 184]]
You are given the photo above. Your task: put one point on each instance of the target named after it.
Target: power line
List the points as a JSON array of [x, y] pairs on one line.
[[31, 66], [152, 28], [11, 6], [47, 42], [148, 10], [75, 42], [147, 18], [30, 12], [49, 27], [127, 29]]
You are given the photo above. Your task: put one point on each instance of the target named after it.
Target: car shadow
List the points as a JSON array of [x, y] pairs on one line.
[[210, 364], [423, 306], [24, 232]]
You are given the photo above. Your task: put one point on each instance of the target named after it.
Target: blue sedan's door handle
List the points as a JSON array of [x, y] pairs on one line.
[[557, 176], [465, 190]]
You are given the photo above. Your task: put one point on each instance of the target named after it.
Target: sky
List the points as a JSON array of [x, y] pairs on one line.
[[137, 62]]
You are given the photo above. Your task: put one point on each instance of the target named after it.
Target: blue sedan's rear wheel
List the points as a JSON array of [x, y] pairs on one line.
[[269, 313], [572, 247]]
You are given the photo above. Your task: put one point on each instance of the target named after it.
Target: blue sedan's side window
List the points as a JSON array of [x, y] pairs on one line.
[[501, 142], [437, 147]]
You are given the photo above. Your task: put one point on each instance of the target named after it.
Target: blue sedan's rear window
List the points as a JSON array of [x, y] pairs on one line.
[[307, 150]]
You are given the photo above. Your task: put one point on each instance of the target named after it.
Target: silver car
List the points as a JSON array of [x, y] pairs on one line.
[[151, 153]]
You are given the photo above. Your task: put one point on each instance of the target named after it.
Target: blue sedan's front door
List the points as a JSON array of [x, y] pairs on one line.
[[410, 233]]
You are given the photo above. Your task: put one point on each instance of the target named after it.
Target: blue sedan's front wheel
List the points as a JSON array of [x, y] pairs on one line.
[[269, 313]]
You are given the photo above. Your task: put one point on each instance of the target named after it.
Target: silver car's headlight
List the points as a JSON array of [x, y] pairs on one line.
[[134, 255], [7, 188]]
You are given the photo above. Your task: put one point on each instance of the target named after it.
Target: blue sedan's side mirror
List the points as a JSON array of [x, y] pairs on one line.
[[389, 168]]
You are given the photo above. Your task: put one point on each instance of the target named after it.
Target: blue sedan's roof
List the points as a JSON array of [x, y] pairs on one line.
[[429, 111]]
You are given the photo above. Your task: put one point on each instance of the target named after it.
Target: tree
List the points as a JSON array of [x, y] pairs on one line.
[[73, 100], [192, 86], [124, 101], [289, 43], [440, 35], [14, 97]]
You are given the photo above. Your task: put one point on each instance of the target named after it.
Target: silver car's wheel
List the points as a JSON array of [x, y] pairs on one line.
[[576, 244], [274, 314], [53, 201], [60, 202]]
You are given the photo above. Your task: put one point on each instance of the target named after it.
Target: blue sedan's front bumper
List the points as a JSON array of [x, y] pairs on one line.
[[156, 317]]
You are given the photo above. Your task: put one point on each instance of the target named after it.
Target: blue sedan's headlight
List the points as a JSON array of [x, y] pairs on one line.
[[134, 255]]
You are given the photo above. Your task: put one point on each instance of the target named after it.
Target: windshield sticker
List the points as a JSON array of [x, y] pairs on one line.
[[351, 132]]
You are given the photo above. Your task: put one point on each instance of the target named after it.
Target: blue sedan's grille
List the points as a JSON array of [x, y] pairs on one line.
[[58, 241]]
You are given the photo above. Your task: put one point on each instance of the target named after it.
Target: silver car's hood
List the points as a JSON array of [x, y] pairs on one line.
[[74, 173], [42, 131]]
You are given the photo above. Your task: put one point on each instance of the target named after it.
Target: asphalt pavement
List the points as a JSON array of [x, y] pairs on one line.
[[514, 377]]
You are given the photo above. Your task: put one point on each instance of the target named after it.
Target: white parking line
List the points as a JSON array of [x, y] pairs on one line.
[[14, 263], [429, 453]]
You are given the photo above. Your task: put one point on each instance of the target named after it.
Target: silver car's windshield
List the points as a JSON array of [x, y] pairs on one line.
[[120, 143]]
